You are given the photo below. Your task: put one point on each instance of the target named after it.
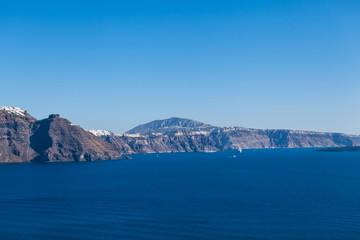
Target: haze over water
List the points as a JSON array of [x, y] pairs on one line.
[[260, 194]]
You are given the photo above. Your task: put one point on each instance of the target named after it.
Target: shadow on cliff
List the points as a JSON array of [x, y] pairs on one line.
[[40, 141]]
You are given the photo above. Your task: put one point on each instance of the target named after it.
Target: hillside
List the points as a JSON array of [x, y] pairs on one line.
[[169, 124]]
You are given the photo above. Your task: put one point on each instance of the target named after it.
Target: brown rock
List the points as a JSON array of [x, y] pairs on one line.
[[24, 139], [15, 132], [57, 139]]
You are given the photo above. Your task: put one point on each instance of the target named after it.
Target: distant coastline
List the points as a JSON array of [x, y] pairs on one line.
[[55, 139], [340, 149]]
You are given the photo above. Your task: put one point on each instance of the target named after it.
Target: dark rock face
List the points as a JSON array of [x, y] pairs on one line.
[[57, 139], [203, 137], [23, 139], [168, 124], [15, 132]]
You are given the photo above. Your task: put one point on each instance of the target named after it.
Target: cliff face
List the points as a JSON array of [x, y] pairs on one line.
[[24, 139], [15, 132], [164, 143], [204, 137], [57, 139]]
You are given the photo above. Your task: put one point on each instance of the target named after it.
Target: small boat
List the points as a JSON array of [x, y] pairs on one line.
[[234, 156], [239, 150]]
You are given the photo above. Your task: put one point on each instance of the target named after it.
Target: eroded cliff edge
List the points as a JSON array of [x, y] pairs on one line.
[[24, 139]]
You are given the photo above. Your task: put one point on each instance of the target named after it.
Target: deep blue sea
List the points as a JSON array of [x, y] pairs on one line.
[[260, 194]]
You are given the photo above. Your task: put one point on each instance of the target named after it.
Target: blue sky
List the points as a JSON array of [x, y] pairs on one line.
[[116, 64]]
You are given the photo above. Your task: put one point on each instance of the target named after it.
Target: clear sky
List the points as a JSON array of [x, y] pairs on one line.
[[116, 64]]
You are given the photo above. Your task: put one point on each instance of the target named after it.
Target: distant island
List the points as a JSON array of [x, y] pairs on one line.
[[24, 139], [340, 149]]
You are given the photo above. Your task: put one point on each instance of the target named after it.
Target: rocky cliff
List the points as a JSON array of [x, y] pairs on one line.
[[15, 132], [24, 139], [160, 136], [57, 139]]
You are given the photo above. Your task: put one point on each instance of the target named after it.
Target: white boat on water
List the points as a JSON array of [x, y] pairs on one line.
[[239, 150]]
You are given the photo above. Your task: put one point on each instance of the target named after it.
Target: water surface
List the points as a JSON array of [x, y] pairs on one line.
[[260, 194]]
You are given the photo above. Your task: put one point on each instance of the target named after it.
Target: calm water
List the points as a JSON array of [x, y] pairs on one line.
[[262, 194]]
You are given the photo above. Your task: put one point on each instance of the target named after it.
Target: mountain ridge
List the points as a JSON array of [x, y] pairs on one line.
[[166, 124], [204, 137]]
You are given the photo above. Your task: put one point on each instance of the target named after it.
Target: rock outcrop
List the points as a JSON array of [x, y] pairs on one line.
[[57, 139], [24, 139], [15, 132]]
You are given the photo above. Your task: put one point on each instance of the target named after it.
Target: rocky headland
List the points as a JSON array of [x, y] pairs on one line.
[[25, 139]]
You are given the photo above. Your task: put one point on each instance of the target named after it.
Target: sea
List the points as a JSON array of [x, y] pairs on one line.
[[257, 194]]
